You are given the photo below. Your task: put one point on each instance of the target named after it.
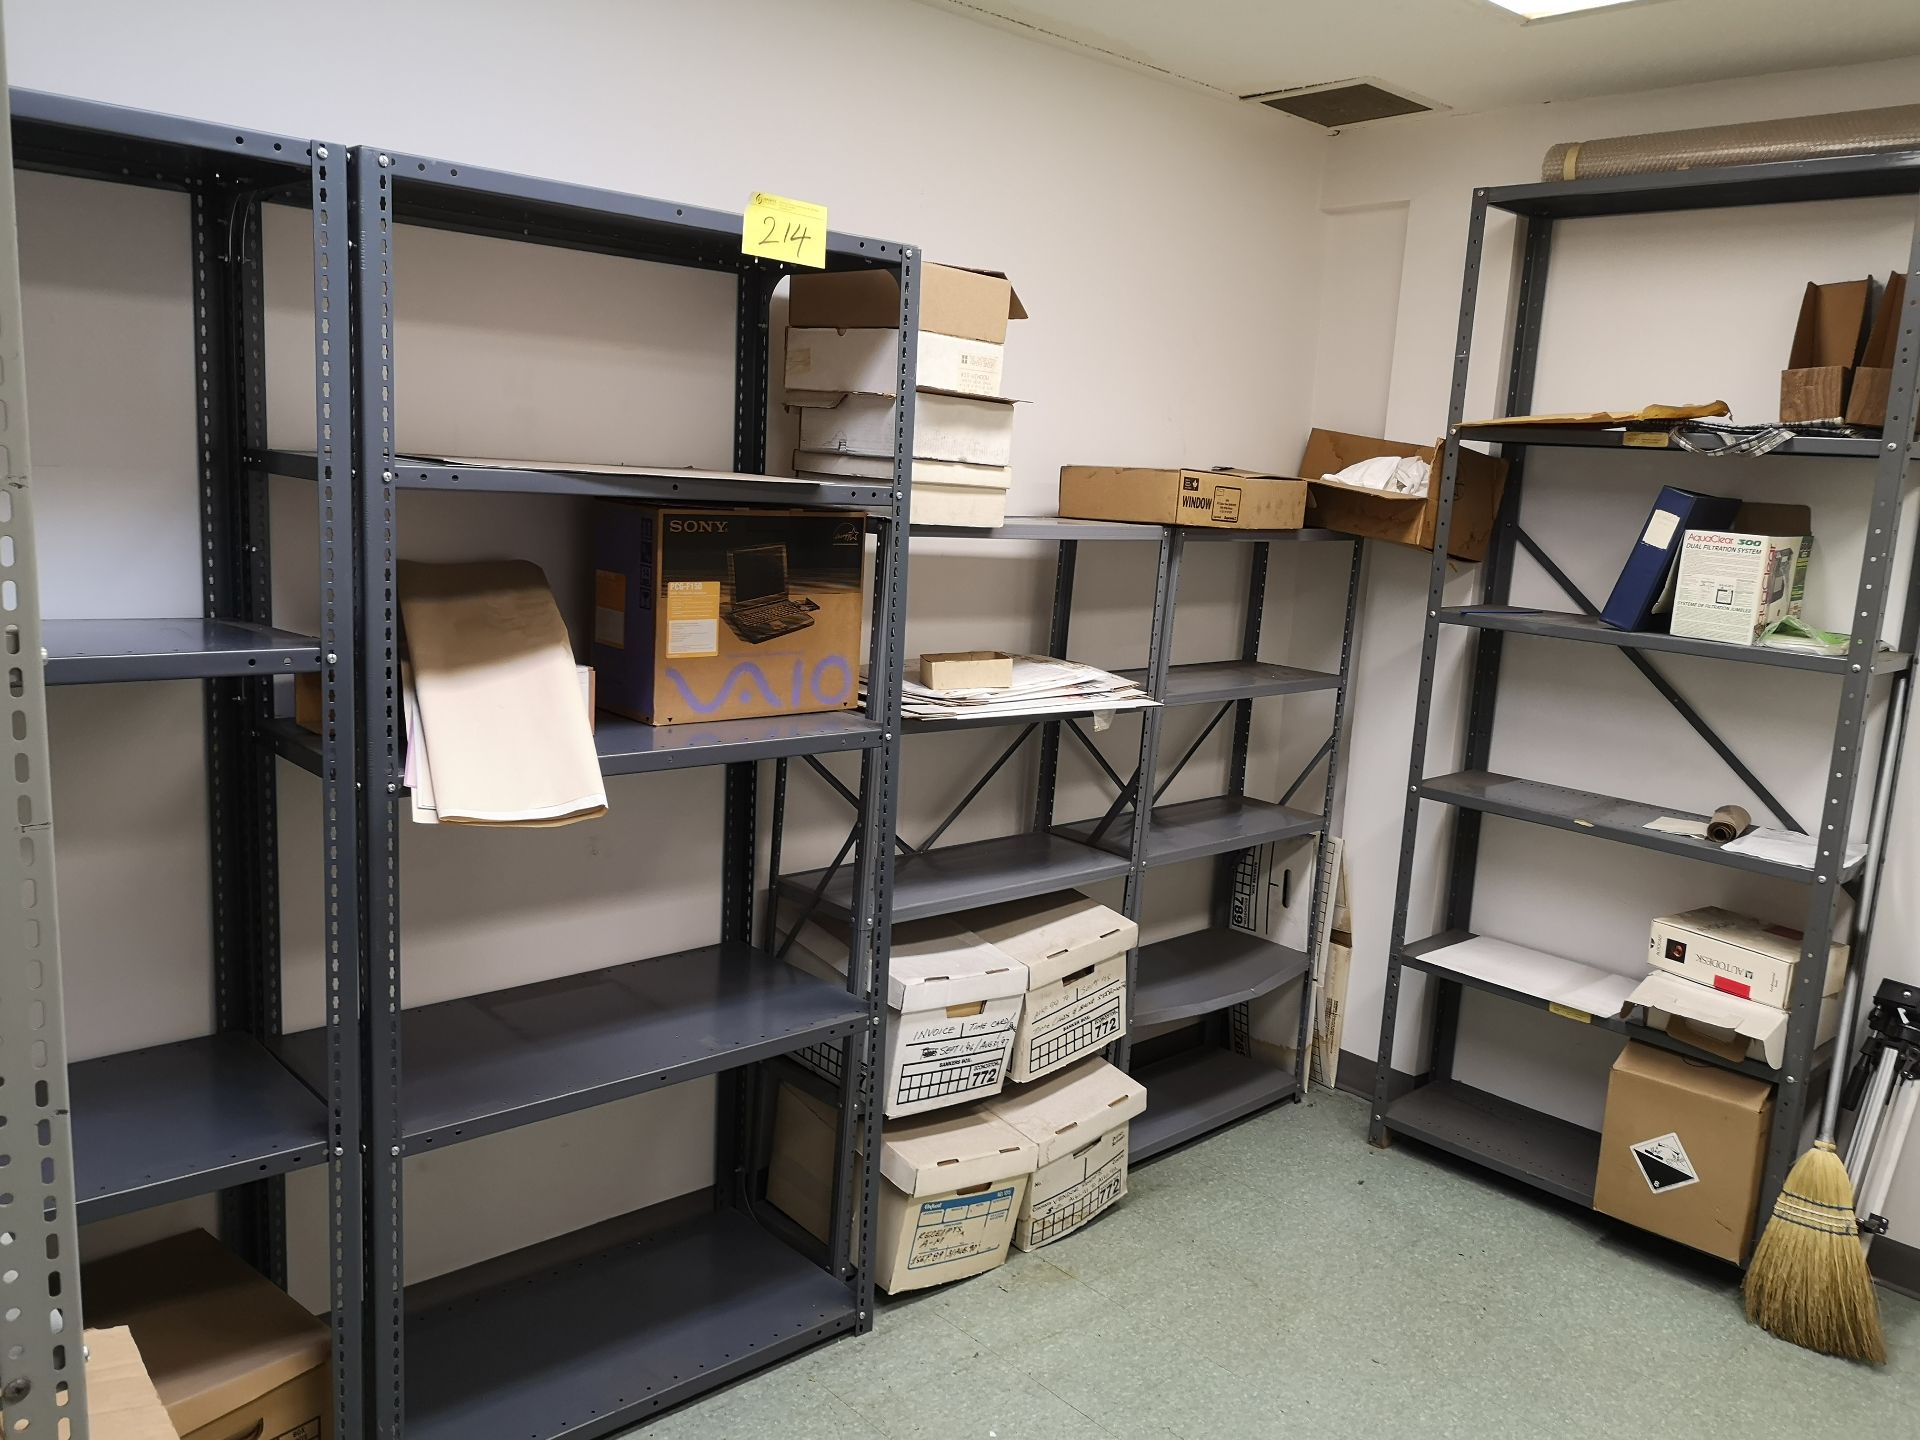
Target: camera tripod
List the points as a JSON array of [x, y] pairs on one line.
[[1883, 1091]]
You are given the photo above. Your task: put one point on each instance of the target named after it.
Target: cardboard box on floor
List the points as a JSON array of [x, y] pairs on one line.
[[1402, 519], [121, 1401], [800, 1164], [1873, 377], [1738, 955], [953, 1187], [1682, 1148], [972, 304], [1075, 954], [230, 1353], [1207, 499], [1078, 1123], [1826, 346]]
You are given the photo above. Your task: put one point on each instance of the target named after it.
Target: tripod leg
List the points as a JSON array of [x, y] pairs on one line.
[[1886, 1158], [1871, 1112]]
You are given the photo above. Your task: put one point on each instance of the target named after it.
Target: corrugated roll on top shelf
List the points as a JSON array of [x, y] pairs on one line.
[[1803, 137]]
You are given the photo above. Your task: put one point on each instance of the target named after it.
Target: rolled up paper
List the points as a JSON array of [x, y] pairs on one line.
[[1729, 822]]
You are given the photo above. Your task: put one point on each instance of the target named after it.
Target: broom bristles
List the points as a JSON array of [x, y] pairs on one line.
[[1808, 1282]]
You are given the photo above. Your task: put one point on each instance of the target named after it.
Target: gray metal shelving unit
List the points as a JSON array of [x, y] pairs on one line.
[[590, 1334], [1205, 1076], [218, 1113], [1508, 1136]]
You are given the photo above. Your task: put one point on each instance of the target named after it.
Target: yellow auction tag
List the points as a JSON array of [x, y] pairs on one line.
[[1567, 1012], [776, 228]]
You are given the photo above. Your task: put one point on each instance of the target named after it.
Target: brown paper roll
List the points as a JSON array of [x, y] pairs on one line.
[[1729, 822]]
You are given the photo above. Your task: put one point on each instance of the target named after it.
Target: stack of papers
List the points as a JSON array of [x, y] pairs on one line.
[[1041, 686]]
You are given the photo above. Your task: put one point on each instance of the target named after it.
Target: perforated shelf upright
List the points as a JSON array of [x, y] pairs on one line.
[[217, 1113], [1512, 1137]]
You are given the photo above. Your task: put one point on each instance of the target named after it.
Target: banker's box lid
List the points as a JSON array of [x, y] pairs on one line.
[[1069, 1111], [1721, 1024], [953, 1150], [973, 304], [121, 1402], [933, 964], [214, 1332], [1054, 935]]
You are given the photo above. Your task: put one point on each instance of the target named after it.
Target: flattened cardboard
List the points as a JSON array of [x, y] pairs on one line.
[[1078, 1122], [967, 670], [1075, 951], [1737, 954], [952, 1197], [1681, 1149], [1723, 1024], [121, 1401], [973, 304], [226, 1347], [1209, 499], [963, 429], [1605, 419], [1873, 377], [867, 362], [1402, 519], [1826, 346]]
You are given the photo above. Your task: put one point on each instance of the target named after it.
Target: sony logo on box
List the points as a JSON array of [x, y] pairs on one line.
[[696, 527]]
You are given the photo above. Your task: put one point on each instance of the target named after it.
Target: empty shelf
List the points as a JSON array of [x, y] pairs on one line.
[[1206, 971], [1217, 681], [156, 1125], [485, 1063], [1586, 813], [958, 877], [588, 1346], [1531, 1146], [1045, 527], [1195, 1092], [1196, 828], [93, 652], [1853, 447], [1564, 625]]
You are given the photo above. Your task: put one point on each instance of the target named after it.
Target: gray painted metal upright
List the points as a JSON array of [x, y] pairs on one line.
[[1527, 1144]]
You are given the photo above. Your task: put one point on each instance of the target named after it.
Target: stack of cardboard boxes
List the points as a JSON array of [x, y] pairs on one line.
[[842, 374], [1685, 1139], [1029, 991]]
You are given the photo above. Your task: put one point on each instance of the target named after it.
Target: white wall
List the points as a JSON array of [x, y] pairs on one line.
[[1165, 243], [1656, 308]]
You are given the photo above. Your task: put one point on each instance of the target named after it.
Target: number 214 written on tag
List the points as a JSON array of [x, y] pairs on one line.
[[782, 229]]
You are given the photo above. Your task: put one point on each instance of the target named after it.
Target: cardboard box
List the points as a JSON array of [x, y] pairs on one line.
[[953, 1190], [722, 614], [956, 1002], [972, 304], [944, 493], [1682, 1148], [800, 1165], [1402, 519], [1873, 377], [1730, 587], [1075, 953], [1737, 954], [967, 670], [230, 1353], [965, 429], [1826, 346], [1078, 1123], [1211, 499], [867, 362], [1724, 1024], [121, 1401]]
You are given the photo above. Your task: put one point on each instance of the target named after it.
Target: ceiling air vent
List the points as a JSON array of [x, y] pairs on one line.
[[1344, 102]]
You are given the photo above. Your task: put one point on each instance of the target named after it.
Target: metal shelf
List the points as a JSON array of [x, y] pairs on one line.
[[61, 135], [1214, 682], [917, 726], [1713, 187], [1206, 971], [1194, 829], [1530, 1146], [93, 652], [1195, 1092], [1839, 447], [1043, 527], [485, 1063], [1566, 625], [161, 1124], [1585, 813], [959, 877], [1306, 535], [591, 1345]]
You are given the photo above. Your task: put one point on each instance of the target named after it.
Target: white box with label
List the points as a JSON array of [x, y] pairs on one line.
[[1737, 954], [966, 429], [1731, 587], [1078, 1122], [945, 492], [1075, 952], [867, 362], [954, 1185]]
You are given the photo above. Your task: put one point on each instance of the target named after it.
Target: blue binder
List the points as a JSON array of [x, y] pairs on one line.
[[1655, 552]]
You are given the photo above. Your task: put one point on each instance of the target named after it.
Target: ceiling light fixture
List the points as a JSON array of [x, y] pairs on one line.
[[1531, 10]]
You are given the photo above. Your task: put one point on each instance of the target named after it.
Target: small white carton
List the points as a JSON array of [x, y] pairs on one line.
[[867, 362], [1075, 952], [945, 492], [1737, 955], [956, 1002], [953, 1191], [1731, 587], [966, 429], [1078, 1122], [1723, 1024]]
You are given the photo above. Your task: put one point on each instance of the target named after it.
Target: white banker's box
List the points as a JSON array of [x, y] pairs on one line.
[[1075, 953], [953, 1189], [956, 1003], [1078, 1122]]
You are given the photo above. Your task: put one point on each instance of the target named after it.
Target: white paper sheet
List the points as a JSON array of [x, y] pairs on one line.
[[1678, 825], [1783, 847], [1552, 978]]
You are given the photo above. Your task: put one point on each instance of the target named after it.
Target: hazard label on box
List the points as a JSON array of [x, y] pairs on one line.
[[1664, 1164]]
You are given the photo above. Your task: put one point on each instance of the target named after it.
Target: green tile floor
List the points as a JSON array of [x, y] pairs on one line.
[[1285, 1279]]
